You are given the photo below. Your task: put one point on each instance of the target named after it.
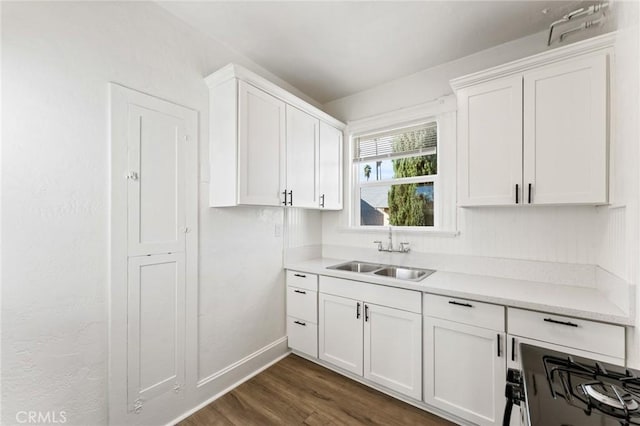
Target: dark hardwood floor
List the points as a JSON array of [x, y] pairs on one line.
[[298, 392]]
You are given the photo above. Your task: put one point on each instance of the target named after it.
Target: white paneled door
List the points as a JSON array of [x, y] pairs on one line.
[[565, 132], [156, 191], [490, 142], [302, 158], [156, 341], [340, 332], [261, 147], [393, 349], [153, 253], [456, 353], [330, 170]]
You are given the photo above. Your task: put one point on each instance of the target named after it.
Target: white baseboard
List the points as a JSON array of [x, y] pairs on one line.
[[237, 383], [244, 360]]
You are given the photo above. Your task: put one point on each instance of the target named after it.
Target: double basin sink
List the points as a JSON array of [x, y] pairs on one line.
[[389, 271]]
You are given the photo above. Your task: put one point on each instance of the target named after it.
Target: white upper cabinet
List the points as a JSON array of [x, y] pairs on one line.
[[535, 131], [330, 169], [302, 155], [265, 145], [261, 147], [565, 132], [490, 139]]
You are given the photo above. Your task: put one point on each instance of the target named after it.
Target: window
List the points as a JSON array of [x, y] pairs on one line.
[[396, 176]]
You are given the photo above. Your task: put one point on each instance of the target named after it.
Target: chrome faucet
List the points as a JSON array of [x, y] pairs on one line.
[[404, 246]]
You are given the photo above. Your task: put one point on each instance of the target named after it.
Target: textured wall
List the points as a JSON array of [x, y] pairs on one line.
[[57, 59]]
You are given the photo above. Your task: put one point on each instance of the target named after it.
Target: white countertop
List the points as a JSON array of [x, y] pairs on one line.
[[580, 302]]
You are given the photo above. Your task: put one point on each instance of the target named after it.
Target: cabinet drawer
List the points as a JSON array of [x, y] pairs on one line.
[[302, 280], [575, 333], [463, 311], [399, 298], [302, 303], [303, 336]]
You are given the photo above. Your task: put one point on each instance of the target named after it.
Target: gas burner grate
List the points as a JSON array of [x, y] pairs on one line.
[[613, 393]]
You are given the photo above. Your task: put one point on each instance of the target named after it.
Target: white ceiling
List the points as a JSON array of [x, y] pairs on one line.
[[329, 50]]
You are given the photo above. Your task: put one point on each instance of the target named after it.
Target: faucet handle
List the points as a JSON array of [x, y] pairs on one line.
[[379, 243], [404, 247]]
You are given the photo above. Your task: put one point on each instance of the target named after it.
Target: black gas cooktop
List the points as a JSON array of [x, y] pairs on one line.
[[567, 390]]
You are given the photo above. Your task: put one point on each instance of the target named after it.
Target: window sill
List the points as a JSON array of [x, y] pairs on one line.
[[400, 229]]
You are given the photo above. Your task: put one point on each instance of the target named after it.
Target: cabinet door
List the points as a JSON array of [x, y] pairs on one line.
[[340, 332], [302, 158], [261, 142], [393, 349], [464, 370], [565, 132], [156, 326], [490, 142], [330, 167], [156, 184]]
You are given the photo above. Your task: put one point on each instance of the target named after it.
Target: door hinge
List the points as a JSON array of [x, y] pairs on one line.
[[187, 138], [132, 176], [137, 406], [177, 388], [186, 229]]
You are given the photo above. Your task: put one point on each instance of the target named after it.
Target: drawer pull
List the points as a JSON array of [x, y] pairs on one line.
[[300, 291], [499, 348], [300, 323], [300, 275], [358, 311], [570, 324], [366, 313], [513, 349], [466, 305]]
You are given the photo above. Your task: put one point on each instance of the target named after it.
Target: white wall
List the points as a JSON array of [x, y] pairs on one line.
[[57, 60], [553, 234], [618, 226]]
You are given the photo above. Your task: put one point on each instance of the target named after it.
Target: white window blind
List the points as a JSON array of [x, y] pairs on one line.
[[415, 140]]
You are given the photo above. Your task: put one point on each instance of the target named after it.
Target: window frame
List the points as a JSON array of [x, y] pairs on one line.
[[442, 112], [356, 217]]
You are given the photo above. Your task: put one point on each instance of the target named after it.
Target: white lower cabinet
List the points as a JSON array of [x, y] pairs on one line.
[[392, 349], [381, 343], [464, 370], [302, 312], [451, 353], [303, 336], [340, 333]]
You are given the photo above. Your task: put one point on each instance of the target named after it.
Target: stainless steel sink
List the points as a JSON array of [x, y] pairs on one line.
[[409, 274], [397, 272], [355, 266]]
